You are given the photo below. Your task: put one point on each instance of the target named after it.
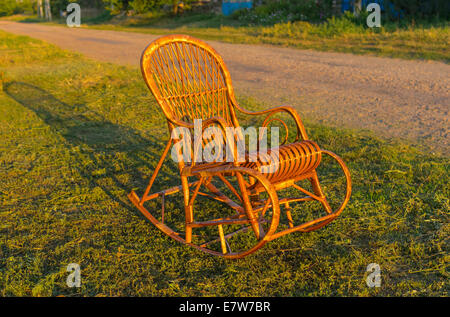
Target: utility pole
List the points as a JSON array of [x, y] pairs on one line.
[[48, 11]]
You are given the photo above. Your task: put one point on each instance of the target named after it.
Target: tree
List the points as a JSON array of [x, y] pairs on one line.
[[10, 7], [423, 8], [40, 9], [142, 6], [48, 10], [116, 6]]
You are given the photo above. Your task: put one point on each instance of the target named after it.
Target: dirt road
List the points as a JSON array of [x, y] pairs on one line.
[[392, 97]]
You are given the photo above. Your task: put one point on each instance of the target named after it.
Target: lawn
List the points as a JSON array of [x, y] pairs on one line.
[[77, 135], [407, 40]]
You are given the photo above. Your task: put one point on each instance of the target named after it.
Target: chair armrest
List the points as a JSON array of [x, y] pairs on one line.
[[301, 132], [205, 123]]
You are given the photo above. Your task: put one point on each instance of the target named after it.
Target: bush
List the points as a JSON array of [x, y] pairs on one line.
[[282, 11], [423, 9], [346, 24], [143, 6], [61, 5], [10, 7], [273, 11]]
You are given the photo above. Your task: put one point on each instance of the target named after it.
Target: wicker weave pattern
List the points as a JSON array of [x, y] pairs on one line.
[[190, 81]]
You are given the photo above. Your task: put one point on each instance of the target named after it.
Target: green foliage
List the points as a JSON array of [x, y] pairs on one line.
[[423, 9], [346, 24], [143, 6], [270, 12], [279, 11], [10, 7], [77, 135], [57, 5], [115, 6]]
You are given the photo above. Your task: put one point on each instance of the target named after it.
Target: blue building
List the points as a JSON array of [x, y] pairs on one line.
[[229, 6]]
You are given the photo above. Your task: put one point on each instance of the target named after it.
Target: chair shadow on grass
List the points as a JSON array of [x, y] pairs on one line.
[[114, 157]]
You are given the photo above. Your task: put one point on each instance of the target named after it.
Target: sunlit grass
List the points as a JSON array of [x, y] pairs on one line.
[[77, 135]]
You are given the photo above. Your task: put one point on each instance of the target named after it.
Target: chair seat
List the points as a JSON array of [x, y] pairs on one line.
[[294, 160]]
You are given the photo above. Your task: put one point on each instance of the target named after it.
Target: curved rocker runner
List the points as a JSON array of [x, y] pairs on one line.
[[190, 81]]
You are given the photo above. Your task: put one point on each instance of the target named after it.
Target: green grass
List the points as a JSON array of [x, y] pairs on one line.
[[425, 40], [77, 135]]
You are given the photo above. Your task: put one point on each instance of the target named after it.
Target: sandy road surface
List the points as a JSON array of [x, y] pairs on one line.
[[392, 97]]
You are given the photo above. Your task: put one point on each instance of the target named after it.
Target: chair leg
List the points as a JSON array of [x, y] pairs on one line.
[[248, 206], [253, 197], [155, 172], [189, 214], [318, 191], [289, 215]]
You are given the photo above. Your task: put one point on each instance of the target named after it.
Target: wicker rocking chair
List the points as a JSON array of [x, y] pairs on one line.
[[190, 81]]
